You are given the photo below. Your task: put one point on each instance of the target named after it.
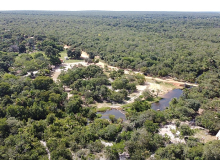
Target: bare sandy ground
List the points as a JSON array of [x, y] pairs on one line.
[[166, 130], [66, 47], [107, 143], [140, 89], [47, 150], [65, 67], [201, 133], [84, 55]]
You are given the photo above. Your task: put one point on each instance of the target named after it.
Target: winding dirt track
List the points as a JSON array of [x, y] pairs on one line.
[[172, 81], [101, 64]]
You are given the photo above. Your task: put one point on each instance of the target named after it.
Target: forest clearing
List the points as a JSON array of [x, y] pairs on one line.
[[151, 83]]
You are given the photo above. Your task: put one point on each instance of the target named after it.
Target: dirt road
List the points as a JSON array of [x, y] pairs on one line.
[[172, 81]]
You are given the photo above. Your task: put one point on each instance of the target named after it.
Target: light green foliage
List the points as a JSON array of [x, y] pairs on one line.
[[110, 132], [148, 95], [27, 63], [140, 78], [116, 74], [119, 83], [211, 150], [151, 127], [103, 109], [185, 130], [144, 70], [96, 146]]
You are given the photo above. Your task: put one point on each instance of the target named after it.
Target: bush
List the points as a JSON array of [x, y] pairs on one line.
[[185, 130], [96, 146]]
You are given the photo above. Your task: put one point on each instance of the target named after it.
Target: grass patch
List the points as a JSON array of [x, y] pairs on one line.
[[204, 136], [166, 84], [64, 54], [103, 109]]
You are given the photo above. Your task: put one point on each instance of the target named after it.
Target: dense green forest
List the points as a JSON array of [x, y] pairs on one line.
[[183, 45], [35, 109]]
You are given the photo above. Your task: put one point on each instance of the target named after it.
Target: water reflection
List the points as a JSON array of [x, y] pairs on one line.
[[117, 113], [163, 103]]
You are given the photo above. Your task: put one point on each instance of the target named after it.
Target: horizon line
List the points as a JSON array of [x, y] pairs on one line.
[[102, 11]]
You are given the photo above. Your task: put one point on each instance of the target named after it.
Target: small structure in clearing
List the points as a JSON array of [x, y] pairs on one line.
[[66, 47]]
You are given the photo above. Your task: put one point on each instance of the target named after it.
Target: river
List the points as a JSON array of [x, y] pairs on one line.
[[163, 103]]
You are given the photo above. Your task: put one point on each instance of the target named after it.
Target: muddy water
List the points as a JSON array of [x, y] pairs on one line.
[[163, 103], [117, 113]]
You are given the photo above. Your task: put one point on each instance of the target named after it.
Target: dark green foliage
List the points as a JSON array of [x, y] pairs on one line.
[[74, 105], [42, 82], [184, 54], [141, 143], [4, 88], [172, 151], [209, 120], [115, 74], [22, 147], [6, 60], [140, 106], [53, 55], [74, 53], [22, 48], [110, 132]]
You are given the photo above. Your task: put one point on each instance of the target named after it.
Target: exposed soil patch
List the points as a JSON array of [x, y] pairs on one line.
[[200, 133], [166, 130], [84, 55], [47, 150]]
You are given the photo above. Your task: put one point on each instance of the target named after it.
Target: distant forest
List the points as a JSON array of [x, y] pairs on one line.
[[181, 45]]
